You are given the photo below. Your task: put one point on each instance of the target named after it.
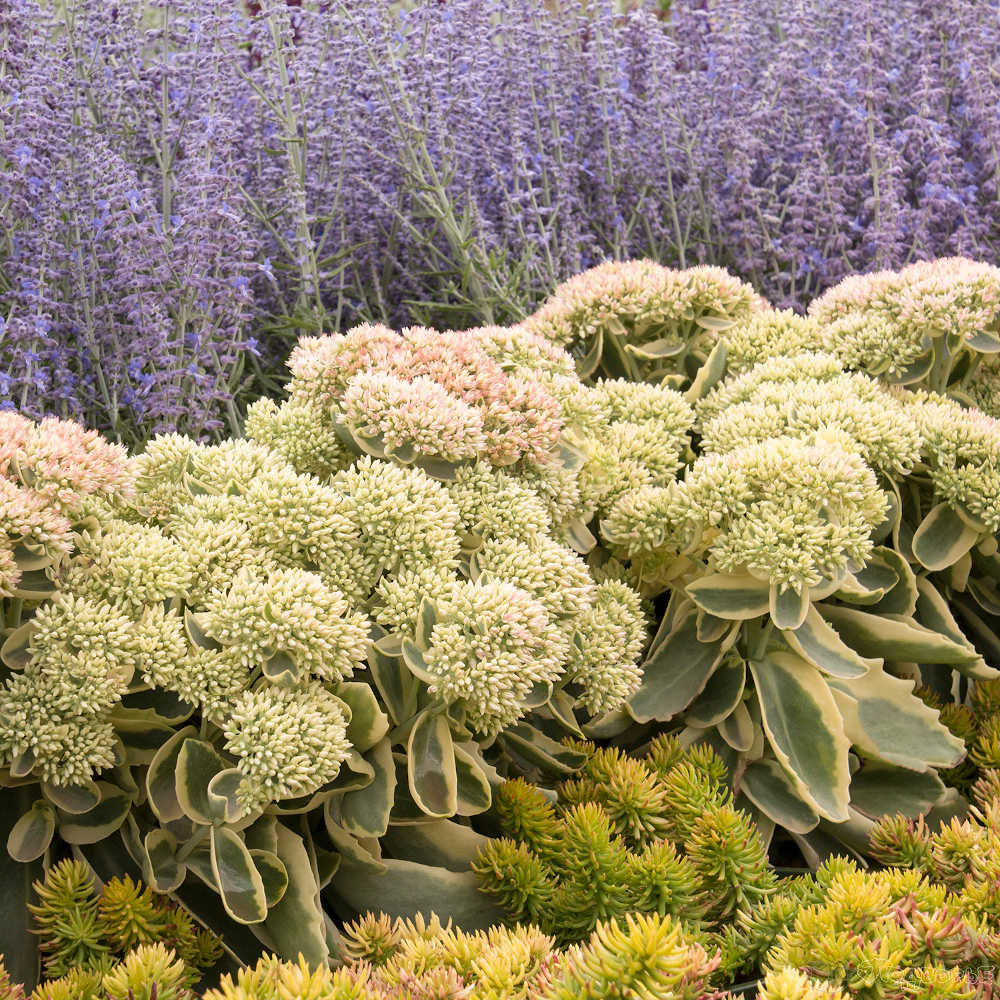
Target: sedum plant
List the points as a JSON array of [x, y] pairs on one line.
[[111, 936], [392, 960], [826, 546], [250, 663], [656, 835]]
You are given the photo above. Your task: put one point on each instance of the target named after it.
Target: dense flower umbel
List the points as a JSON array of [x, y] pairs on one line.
[[791, 511]]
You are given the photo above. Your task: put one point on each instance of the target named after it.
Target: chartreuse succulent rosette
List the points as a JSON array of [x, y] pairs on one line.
[[246, 666]]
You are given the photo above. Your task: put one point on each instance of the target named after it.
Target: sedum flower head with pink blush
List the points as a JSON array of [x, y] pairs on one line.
[[888, 322], [639, 319], [68, 464], [424, 395]]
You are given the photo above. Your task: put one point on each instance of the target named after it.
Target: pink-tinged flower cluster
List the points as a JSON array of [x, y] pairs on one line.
[[322, 366], [420, 414], [47, 471], [66, 464], [953, 296], [645, 298], [446, 395]]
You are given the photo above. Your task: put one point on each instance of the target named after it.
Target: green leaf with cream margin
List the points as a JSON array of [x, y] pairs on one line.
[[894, 638], [884, 718], [818, 642], [942, 538], [677, 671], [805, 730], [734, 597]]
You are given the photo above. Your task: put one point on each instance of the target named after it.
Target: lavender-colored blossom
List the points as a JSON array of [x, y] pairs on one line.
[[187, 187]]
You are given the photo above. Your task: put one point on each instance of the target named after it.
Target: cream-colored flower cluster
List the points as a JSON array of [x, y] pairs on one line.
[[644, 299]]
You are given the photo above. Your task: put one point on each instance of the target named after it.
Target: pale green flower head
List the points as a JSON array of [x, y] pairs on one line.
[[491, 644], [289, 613], [788, 511], [213, 679], [287, 742], [131, 566], [552, 574], [304, 523], [301, 432], [769, 334], [962, 453], [515, 347], [213, 532], [639, 401], [85, 648], [610, 637], [559, 490], [67, 747], [650, 527], [771, 376], [395, 604], [405, 517], [884, 432], [491, 501]]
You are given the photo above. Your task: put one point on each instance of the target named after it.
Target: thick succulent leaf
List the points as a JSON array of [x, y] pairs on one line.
[[474, 793], [677, 672], [262, 835], [427, 616], [99, 822], [788, 607], [406, 888], [223, 795], [442, 842], [805, 730], [73, 799], [161, 777], [368, 722], [713, 369], [356, 773], [198, 763], [31, 835], [893, 638], [539, 750], [883, 790], [884, 718], [722, 693], [295, 923], [161, 869], [655, 350], [730, 596], [396, 684], [34, 585], [18, 945], [561, 705], [769, 788], [365, 812], [14, 651], [353, 853], [934, 613], [194, 625], [711, 628], [587, 365], [818, 642], [942, 538], [413, 657], [901, 599], [431, 772], [141, 731], [282, 669], [272, 874], [239, 882], [738, 729]]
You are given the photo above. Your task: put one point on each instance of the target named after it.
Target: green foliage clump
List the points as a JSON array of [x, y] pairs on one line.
[[657, 835], [83, 931]]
